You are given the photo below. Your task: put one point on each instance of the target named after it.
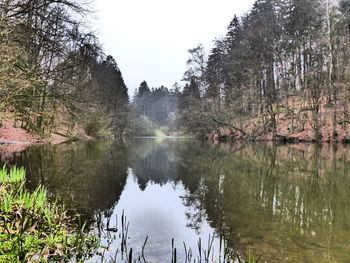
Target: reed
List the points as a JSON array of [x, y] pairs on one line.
[[205, 254]]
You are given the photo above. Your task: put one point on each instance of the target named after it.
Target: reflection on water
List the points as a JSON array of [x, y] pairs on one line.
[[290, 203], [86, 175]]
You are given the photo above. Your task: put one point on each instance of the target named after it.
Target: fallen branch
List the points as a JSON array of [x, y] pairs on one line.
[[228, 124]]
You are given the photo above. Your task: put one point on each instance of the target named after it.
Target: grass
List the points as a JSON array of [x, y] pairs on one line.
[[33, 229], [251, 258], [16, 175]]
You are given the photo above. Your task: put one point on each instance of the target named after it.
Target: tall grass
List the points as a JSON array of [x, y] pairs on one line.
[[16, 175]]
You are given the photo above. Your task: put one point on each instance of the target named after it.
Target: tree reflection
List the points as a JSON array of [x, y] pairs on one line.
[[89, 176], [152, 161], [288, 202], [284, 201]]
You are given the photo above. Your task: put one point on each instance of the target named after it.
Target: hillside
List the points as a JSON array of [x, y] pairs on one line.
[[296, 120]]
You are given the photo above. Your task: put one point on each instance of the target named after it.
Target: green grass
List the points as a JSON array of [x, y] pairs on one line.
[[33, 229], [251, 258], [16, 175]]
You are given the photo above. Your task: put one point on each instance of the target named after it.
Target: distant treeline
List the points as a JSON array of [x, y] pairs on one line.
[[53, 73], [277, 49], [154, 109]]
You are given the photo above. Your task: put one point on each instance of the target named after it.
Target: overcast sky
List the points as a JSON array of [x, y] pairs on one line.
[[149, 38]]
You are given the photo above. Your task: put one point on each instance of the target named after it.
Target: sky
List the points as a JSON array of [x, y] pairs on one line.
[[150, 38]]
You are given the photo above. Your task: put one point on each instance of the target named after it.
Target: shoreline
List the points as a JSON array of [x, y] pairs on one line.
[[14, 139], [279, 139]]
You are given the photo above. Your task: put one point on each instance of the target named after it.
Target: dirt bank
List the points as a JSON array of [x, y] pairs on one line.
[[9, 134], [15, 139], [296, 121]]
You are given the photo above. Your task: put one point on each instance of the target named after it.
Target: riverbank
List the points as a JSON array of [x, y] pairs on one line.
[[296, 121], [11, 134], [15, 139]]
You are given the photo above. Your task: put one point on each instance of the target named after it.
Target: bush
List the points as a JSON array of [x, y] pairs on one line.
[[95, 126]]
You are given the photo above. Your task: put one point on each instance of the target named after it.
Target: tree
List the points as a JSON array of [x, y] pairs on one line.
[[142, 100], [51, 72], [16, 78], [279, 48]]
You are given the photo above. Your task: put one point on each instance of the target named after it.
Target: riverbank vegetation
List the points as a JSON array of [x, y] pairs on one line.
[[54, 76], [33, 229], [281, 71]]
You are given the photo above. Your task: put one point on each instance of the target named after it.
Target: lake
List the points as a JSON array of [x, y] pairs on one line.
[[285, 203]]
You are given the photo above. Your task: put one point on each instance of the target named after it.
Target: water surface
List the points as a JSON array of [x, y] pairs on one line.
[[288, 203]]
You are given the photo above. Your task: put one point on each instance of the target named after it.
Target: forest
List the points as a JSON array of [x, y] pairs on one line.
[[281, 72], [54, 75]]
